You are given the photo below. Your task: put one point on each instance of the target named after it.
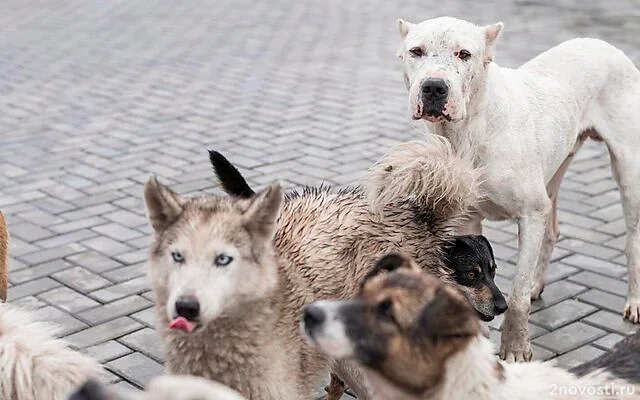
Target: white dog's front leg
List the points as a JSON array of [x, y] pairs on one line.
[[515, 345]]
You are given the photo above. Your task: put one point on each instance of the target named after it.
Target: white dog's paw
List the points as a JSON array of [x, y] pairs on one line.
[[514, 344], [632, 311], [536, 290]]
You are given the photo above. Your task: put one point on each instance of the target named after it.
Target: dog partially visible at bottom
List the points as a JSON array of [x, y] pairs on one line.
[[165, 387], [418, 338], [34, 364]]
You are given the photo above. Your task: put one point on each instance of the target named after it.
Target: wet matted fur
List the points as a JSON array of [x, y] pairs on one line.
[[419, 339], [34, 365], [317, 244]]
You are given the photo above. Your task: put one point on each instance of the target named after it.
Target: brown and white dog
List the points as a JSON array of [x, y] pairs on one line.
[[231, 275], [418, 338], [34, 365]]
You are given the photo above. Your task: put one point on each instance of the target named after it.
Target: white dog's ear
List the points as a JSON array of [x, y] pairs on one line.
[[404, 27], [491, 32]]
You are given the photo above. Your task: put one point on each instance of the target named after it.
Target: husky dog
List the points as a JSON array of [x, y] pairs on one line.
[[417, 338], [34, 365], [166, 387], [231, 275], [524, 126], [623, 361]]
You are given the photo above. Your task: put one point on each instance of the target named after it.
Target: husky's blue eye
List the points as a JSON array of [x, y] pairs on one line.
[[177, 257], [223, 260]]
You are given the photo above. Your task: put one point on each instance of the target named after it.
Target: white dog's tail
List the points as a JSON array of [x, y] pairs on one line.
[[428, 174]]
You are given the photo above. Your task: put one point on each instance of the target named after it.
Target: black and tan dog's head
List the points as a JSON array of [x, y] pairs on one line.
[[403, 325], [470, 257]]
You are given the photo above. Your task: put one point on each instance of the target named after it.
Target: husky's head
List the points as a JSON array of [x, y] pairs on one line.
[[210, 255]]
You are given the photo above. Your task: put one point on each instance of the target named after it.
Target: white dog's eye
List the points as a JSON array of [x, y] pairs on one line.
[[223, 260], [177, 257], [463, 54], [416, 52]]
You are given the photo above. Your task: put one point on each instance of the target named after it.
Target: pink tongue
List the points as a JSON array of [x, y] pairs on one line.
[[182, 324]]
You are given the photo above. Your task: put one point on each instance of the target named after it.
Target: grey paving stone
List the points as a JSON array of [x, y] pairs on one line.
[[103, 332], [68, 299], [31, 288], [561, 314], [94, 261], [599, 282], [607, 342], [80, 279], [107, 351], [556, 292], [569, 337], [66, 323], [39, 271], [603, 300], [136, 368], [147, 317], [596, 265], [578, 356], [111, 293], [118, 308], [147, 342], [611, 322]]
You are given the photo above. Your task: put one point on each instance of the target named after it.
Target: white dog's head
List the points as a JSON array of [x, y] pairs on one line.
[[445, 61]]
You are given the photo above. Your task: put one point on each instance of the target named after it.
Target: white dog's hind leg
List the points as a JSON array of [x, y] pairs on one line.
[[552, 231], [625, 165], [515, 344]]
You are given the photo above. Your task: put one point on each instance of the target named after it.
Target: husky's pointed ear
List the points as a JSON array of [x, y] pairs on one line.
[[448, 315], [404, 27], [263, 211], [164, 206], [388, 263]]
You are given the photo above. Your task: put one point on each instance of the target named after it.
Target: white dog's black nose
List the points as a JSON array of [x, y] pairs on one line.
[[188, 307], [313, 316], [435, 91]]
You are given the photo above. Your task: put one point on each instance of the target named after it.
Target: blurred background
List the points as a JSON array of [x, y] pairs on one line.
[[96, 96]]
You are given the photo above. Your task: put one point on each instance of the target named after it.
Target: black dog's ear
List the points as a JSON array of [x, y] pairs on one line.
[[229, 177], [387, 263], [448, 315], [467, 244], [91, 390]]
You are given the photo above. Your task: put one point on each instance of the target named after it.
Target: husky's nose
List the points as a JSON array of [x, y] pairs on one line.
[[313, 316], [188, 307]]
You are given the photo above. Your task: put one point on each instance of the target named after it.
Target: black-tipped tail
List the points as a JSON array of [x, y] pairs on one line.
[[229, 177]]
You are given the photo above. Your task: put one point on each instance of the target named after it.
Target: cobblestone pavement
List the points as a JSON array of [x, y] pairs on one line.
[[97, 96]]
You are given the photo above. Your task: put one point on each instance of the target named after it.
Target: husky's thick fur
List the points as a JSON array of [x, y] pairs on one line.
[[231, 275], [34, 365], [419, 339], [166, 387]]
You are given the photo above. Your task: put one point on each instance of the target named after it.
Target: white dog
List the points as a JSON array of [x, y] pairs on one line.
[[524, 126]]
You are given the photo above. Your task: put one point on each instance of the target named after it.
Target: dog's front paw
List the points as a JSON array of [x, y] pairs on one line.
[[632, 310], [514, 344]]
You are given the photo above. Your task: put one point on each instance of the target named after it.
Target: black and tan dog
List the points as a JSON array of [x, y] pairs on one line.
[[418, 338]]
